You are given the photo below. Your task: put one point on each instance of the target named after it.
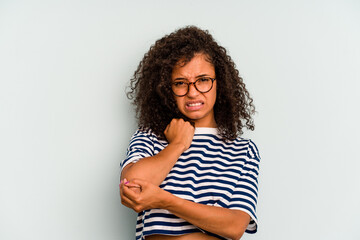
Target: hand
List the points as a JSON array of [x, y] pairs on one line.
[[134, 187], [180, 132], [149, 195]]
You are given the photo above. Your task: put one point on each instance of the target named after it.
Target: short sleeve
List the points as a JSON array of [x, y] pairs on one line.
[[141, 146], [245, 194]]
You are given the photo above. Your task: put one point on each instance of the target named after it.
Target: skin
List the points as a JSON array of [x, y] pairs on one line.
[[139, 188], [203, 115]]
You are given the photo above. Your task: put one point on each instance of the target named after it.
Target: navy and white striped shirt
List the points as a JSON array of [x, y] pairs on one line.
[[211, 172]]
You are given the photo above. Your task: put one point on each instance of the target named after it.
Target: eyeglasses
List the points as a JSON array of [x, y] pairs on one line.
[[181, 87]]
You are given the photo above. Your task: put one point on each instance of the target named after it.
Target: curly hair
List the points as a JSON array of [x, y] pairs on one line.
[[150, 87]]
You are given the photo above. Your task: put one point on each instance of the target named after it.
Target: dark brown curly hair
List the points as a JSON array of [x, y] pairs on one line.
[[150, 87]]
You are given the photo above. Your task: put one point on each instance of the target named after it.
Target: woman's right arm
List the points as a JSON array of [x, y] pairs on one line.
[[155, 169]]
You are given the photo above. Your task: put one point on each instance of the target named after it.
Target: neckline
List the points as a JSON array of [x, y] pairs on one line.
[[206, 130]]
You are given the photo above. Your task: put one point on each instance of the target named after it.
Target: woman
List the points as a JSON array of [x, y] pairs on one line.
[[188, 174]]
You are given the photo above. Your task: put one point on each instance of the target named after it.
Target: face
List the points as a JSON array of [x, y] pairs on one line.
[[195, 105]]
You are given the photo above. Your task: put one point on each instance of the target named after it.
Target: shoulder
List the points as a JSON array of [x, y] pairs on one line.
[[252, 150], [144, 134]]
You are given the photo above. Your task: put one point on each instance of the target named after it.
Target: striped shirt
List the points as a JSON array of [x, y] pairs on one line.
[[211, 172]]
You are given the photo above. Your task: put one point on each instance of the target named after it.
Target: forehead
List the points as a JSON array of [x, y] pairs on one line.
[[198, 65]]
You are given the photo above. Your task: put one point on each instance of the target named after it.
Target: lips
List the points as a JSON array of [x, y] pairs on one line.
[[194, 105]]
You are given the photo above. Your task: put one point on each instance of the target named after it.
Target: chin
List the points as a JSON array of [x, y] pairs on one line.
[[195, 118]]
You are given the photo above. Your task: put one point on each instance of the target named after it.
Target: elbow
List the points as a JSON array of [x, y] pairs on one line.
[[125, 173], [238, 228], [239, 224], [237, 234], [234, 232]]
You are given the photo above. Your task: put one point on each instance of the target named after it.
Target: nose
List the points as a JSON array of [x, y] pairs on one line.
[[193, 92]]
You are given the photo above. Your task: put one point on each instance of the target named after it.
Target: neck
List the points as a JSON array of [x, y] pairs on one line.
[[209, 124]]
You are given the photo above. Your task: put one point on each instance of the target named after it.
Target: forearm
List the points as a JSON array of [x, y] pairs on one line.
[[221, 221], [154, 169]]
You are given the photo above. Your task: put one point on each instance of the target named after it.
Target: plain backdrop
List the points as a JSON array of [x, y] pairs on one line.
[[65, 121]]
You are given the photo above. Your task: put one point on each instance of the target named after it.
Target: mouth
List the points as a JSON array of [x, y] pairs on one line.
[[193, 106]]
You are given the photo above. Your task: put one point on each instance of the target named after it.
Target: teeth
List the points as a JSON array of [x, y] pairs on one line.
[[194, 104]]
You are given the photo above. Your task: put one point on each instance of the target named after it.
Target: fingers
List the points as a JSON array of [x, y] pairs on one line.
[[131, 189], [129, 184], [128, 195], [131, 198], [178, 122], [124, 199], [180, 132], [139, 182], [133, 185], [139, 195], [127, 188]]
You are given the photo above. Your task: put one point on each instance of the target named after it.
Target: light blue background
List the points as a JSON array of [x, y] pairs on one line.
[[65, 121]]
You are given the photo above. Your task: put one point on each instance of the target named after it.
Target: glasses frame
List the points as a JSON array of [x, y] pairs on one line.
[[194, 83]]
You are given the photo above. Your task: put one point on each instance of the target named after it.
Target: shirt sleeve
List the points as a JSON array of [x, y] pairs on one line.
[[245, 194], [141, 146]]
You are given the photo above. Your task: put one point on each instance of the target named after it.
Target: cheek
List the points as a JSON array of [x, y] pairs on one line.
[[213, 100], [178, 102], [213, 96]]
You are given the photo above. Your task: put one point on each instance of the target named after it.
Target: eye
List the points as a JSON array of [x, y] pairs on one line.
[[204, 80], [179, 83]]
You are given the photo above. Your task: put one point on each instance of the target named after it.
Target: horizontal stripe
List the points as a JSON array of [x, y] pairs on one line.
[[211, 172], [171, 232]]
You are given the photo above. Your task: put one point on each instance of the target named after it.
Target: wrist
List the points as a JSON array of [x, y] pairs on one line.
[[167, 200], [178, 146]]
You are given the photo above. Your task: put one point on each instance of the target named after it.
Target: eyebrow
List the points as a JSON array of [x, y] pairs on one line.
[[199, 76]]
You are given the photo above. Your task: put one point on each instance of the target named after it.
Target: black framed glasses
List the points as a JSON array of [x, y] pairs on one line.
[[181, 87]]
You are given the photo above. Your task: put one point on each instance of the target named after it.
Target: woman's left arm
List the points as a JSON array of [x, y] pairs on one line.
[[221, 221]]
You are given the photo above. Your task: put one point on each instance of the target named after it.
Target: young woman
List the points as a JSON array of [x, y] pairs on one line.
[[188, 173]]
